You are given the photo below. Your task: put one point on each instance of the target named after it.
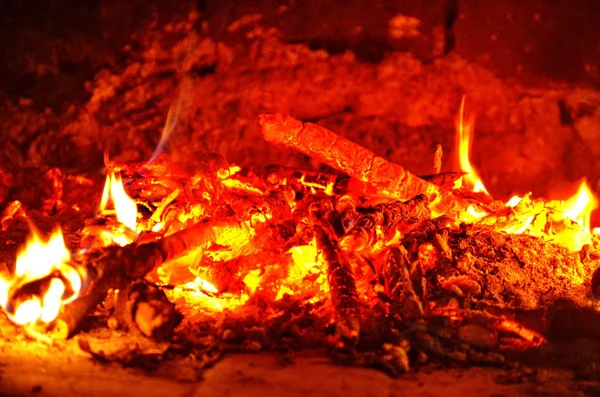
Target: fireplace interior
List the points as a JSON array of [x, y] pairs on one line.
[[300, 197]]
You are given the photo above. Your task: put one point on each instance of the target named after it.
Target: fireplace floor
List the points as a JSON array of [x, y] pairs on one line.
[[33, 368]]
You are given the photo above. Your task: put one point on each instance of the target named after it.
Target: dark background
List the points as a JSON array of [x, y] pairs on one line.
[[80, 78]]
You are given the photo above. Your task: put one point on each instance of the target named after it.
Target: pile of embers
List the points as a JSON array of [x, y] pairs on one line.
[[380, 266]]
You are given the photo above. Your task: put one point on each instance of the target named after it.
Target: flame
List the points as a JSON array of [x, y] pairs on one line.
[[41, 260], [125, 207], [514, 201], [579, 207], [464, 137]]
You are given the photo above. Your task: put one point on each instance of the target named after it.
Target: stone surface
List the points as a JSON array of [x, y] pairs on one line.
[[37, 370]]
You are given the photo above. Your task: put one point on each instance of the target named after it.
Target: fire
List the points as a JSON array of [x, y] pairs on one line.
[[514, 201], [306, 262], [464, 137], [205, 294], [580, 206], [43, 280], [125, 207]]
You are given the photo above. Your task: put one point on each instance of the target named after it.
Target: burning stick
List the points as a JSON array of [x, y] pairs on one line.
[[399, 285], [321, 144], [115, 267], [143, 306], [379, 224], [343, 289]]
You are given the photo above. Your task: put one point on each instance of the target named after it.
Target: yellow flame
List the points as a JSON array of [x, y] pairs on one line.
[[579, 207], [125, 207], [252, 280], [305, 261], [514, 201], [464, 137], [41, 259]]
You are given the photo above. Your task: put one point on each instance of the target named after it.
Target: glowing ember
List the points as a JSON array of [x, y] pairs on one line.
[[203, 293], [464, 136], [43, 281], [252, 280], [579, 207], [125, 207], [306, 262]]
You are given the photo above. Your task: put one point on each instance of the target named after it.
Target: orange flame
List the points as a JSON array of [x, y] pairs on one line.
[[40, 259], [125, 207], [579, 207], [464, 138]]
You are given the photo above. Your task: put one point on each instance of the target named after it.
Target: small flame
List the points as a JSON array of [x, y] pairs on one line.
[[514, 201], [464, 137], [125, 207], [40, 260], [580, 206]]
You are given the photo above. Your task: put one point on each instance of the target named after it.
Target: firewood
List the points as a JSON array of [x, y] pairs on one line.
[[115, 267], [304, 181], [404, 300], [144, 307], [379, 224], [324, 145], [344, 295], [386, 178]]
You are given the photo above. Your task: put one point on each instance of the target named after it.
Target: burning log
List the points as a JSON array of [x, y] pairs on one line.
[[321, 144], [143, 306], [115, 267], [405, 301], [379, 224], [386, 178], [343, 289]]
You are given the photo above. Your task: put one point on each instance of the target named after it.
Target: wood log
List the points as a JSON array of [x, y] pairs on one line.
[[380, 223], [344, 295], [404, 300], [144, 307], [386, 178], [329, 148], [115, 267]]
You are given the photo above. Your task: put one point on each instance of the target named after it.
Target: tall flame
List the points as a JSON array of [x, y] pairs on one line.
[[464, 138], [580, 206], [125, 207], [43, 280]]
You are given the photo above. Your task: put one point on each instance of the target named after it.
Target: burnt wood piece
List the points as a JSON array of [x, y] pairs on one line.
[[404, 300], [337, 152], [305, 181], [115, 267], [381, 222], [344, 295], [386, 178], [444, 179], [143, 306]]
